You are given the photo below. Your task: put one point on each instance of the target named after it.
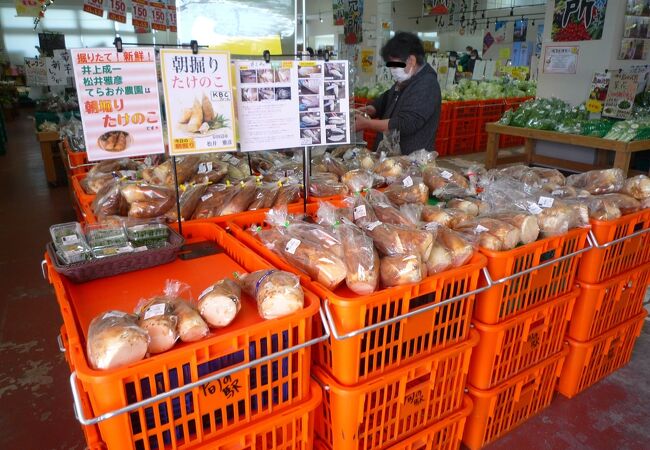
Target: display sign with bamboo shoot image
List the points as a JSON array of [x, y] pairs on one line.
[[198, 101]]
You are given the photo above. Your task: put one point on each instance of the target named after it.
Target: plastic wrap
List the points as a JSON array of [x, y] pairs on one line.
[[265, 195], [358, 180], [210, 172], [93, 184], [220, 303], [157, 317], [471, 206], [243, 197], [412, 212], [147, 201], [186, 168], [637, 187], [549, 176], [398, 270], [524, 222], [385, 211], [407, 190], [625, 203], [110, 201], [322, 185], [446, 183], [361, 259], [189, 199], [213, 201], [191, 326], [277, 293], [598, 181], [423, 157], [472, 170], [396, 240], [287, 194], [115, 340], [493, 234], [335, 166], [390, 143], [390, 169], [460, 247]]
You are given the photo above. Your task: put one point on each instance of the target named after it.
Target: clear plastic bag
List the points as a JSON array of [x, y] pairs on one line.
[[390, 144], [213, 201], [277, 293], [110, 202], [287, 194], [469, 205], [358, 180], [460, 247], [402, 269], [190, 197], [147, 201], [637, 187], [526, 223], [157, 317], [598, 181], [322, 185], [407, 190], [493, 234], [423, 157], [384, 210], [625, 203], [265, 195], [220, 303], [210, 172], [335, 166], [242, 198], [446, 183], [115, 340], [391, 169]]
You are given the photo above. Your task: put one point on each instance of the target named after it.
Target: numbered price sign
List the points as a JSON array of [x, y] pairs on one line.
[[171, 16], [117, 11], [198, 101], [158, 16], [140, 14], [95, 7]]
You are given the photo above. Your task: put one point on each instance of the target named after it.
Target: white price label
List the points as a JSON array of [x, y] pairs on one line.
[[292, 245], [206, 197], [534, 208], [124, 250], [481, 229], [205, 167], [408, 181], [373, 225], [156, 310], [140, 249], [545, 202], [359, 212], [557, 193], [446, 175], [431, 226], [226, 157], [234, 161], [206, 291], [71, 239]]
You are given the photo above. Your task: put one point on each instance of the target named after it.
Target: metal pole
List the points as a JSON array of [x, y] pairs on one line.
[[178, 199], [306, 163]]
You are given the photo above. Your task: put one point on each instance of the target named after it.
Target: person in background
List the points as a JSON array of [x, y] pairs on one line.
[[412, 105], [453, 59], [464, 60], [473, 57]]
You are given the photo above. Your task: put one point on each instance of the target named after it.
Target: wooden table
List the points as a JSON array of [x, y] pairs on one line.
[[49, 141], [623, 150]]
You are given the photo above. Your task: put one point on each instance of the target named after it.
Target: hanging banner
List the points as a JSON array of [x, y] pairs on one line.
[[435, 7], [488, 40], [32, 68], [95, 7], [578, 20], [56, 70], [66, 65], [620, 95], [338, 10], [119, 103], [538, 40], [140, 15], [560, 59], [500, 31], [479, 70], [158, 16], [368, 60], [291, 104], [171, 16], [598, 92], [353, 26], [490, 70], [28, 8], [520, 30], [117, 10], [198, 101]]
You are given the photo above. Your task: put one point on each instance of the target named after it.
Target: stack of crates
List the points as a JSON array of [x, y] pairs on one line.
[[522, 321], [444, 129], [609, 313], [464, 121], [488, 111], [269, 405], [394, 371]]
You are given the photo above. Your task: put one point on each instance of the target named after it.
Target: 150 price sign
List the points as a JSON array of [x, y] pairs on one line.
[[140, 14], [117, 11], [159, 16]]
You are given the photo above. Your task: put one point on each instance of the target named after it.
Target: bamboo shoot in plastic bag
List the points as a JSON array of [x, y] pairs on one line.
[[277, 293], [220, 303], [115, 340]]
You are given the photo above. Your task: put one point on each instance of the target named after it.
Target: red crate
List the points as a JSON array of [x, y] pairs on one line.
[[371, 138], [442, 147], [462, 145], [589, 362], [445, 110], [465, 110], [501, 409], [464, 127], [444, 129], [601, 307]]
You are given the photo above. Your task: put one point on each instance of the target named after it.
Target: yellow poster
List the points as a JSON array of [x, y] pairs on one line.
[[247, 45], [504, 53], [368, 60], [28, 8]]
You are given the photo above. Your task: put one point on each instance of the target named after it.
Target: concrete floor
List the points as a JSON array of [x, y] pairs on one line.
[[36, 412]]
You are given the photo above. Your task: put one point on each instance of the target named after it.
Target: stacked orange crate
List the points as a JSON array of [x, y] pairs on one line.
[[464, 123], [521, 320], [444, 129], [609, 312], [396, 365], [489, 111]]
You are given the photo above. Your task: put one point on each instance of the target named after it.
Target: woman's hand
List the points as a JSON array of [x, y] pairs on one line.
[[361, 122]]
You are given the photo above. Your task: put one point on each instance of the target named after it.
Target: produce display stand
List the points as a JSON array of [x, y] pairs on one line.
[[623, 150], [49, 141]]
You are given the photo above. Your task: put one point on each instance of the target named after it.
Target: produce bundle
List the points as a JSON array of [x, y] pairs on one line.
[[485, 90]]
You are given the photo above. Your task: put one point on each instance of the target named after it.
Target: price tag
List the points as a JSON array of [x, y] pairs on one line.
[[156, 310], [292, 245], [373, 225], [534, 208], [408, 181], [206, 197], [117, 11], [545, 202], [557, 193], [171, 16], [227, 156], [432, 226], [481, 229], [158, 16], [359, 212], [140, 14], [446, 175], [234, 161], [205, 167], [140, 249], [124, 250], [206, 291], [71, 239]]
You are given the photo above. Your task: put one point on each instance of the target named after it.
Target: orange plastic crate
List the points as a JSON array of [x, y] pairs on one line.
[[444, 129], [464, 110], [442, 147], [601, 307], [590, 362], [445, 434], [464, 127], [76, 160], [79, 192], [534, 285], [445, 110], [462, 145], [381, 412], [355, 355], [503, 408], [626, 253], [520, 342], [210, 411]]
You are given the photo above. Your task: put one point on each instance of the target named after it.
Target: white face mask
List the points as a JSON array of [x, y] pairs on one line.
[[399, 74]]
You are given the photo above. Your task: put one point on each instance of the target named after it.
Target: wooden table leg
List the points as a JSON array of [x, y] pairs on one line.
[[622, 161], [602, 159], [492, 150], [529, 149], [48, 162]]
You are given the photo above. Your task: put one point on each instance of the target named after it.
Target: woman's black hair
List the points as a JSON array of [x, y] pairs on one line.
[[403, 45]]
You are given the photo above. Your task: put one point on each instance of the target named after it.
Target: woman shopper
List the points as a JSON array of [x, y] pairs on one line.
[[412, 105]]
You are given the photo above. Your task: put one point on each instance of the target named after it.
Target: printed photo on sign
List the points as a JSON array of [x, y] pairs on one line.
[[249, 95], [266, 94], [309, 87], [265, 75], [332, 105], [310, 136], [308, 102], [248, 76], [335, 70], [336, 119], [335, 89], [282, 75], [309, 120], [335, 134], [578, 20], [283, 93], [308, 71]]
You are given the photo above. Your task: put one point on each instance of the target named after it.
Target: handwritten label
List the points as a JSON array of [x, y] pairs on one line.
[[545, 202], [359, 212], [226, 385], [155, 310], [292, 245]]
